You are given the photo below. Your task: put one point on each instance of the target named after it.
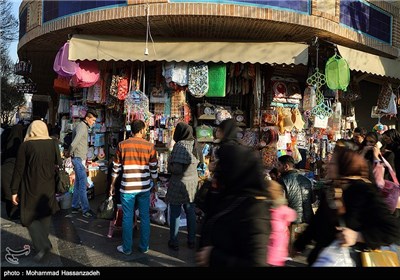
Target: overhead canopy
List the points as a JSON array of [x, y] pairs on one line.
[[107, 48], [373, 64]]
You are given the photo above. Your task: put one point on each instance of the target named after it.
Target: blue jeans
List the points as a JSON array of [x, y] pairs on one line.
[[79, 197], [128, 208], [175, 213]]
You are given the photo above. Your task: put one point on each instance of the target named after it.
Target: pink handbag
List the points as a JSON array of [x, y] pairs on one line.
[[390, 190], [87, 74]]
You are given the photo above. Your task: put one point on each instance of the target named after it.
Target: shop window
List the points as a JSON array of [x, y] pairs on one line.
[[368, 19], [56, 9]]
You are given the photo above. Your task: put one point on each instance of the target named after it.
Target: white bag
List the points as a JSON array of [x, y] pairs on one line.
[[334, 255]]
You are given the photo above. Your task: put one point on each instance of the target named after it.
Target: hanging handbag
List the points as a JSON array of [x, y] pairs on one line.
[[61, 176]]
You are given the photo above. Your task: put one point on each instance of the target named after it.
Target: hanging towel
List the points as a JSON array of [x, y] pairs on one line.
[[216, 80]]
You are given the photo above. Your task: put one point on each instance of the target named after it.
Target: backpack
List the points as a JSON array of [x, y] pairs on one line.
[[337, 73]]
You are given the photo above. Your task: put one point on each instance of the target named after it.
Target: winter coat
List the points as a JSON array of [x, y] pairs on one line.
[[298, 189], [239, 237], [278, 246], [34, 180]]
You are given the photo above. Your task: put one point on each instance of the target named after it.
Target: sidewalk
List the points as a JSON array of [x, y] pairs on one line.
[[83, 242]]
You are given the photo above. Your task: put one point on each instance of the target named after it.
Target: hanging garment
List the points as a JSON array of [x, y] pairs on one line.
[[216, 80], [198, 79]]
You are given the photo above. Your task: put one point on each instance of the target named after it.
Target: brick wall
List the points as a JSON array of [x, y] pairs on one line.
[[318, 20]]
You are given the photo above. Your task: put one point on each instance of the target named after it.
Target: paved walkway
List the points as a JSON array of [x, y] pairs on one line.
[[83, 242]]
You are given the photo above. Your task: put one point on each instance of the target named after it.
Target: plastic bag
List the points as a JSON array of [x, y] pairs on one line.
[[334, 255], [106, 209], [156, 203], [159, 217]]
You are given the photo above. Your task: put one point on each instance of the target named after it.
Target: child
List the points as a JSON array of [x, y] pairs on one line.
[[281, 218]]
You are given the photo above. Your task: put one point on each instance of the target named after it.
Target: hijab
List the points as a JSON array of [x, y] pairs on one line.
[[37, 130], [183, 131], [230, 130]]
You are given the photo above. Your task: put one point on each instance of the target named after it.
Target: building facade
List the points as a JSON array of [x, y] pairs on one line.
[[366, 33]]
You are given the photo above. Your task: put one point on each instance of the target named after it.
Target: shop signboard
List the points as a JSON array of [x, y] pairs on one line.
[[26, 88]]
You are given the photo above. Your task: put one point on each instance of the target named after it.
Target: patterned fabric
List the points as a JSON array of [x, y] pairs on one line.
[[198, 79], [182, 152], [178, 98]]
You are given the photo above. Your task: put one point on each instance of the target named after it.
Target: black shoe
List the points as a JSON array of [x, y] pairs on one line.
[[173, 246], [191, 245]]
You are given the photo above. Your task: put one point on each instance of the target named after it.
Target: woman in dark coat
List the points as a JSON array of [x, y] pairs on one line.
[[182, 164], [33, 184], [367, 223], [236, 234], [14, 140]]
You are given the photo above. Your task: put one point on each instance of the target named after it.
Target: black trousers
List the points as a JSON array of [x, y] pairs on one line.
[[39, 231]]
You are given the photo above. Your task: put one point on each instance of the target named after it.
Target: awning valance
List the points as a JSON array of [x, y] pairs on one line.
[[369, 63], [108, 48]]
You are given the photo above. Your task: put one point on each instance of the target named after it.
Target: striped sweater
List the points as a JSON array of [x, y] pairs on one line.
[[136, 158]]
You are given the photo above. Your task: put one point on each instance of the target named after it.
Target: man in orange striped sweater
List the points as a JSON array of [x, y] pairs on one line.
[[136, 158]]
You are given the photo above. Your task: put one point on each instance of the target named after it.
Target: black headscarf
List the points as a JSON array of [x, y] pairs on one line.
[[230, 130], [240, 171], [183, 131]]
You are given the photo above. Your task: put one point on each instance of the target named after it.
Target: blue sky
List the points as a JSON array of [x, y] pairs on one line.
[[13, 46]]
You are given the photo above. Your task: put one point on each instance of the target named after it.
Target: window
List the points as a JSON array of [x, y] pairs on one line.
[[56, 9], [366, 18]]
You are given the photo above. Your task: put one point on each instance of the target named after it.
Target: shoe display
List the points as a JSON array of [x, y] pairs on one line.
[[89, 214], [173, 246], [120, 249]]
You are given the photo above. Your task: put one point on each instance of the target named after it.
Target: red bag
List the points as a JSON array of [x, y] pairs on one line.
[[390, 190], [61, 85]]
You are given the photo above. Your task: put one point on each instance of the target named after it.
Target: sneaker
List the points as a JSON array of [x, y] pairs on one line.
[[89, 214], [120, 249], [75, 210], [144, 251]]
